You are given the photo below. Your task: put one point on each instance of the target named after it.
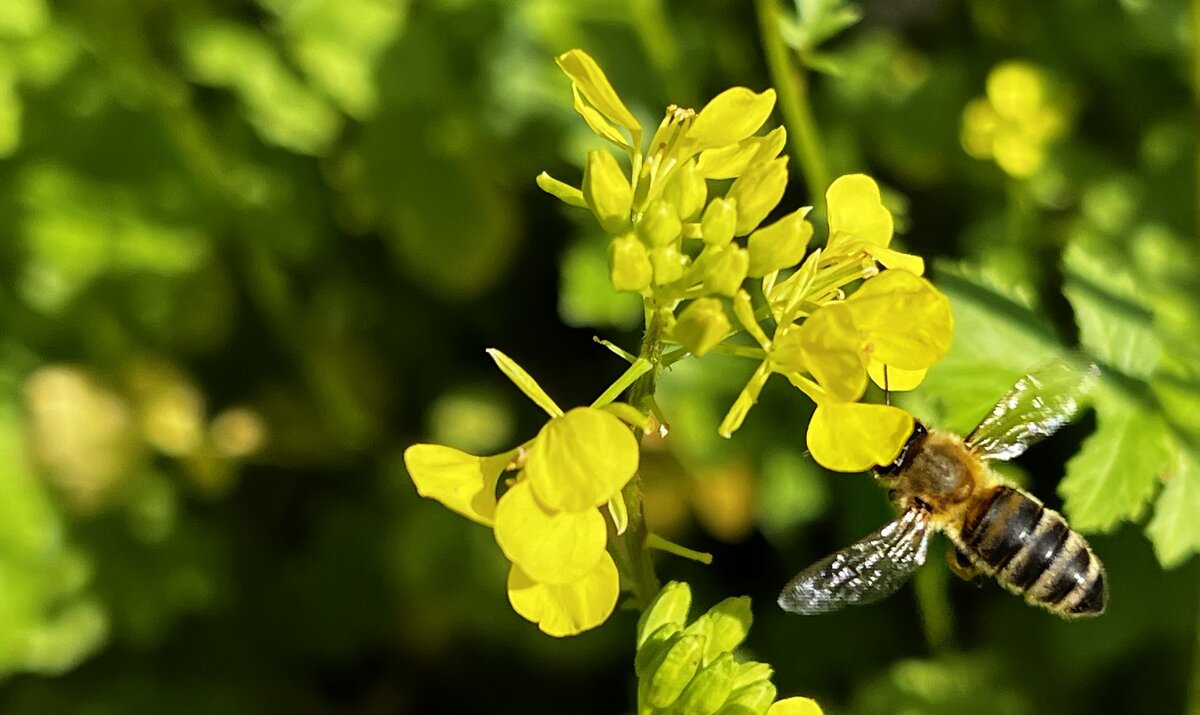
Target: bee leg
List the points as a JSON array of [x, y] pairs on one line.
[[961, 564]]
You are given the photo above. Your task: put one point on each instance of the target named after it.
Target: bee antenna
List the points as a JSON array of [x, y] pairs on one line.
[[887, 393]]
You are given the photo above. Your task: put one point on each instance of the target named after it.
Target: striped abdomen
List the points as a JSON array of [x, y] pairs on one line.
[[1032, 552]]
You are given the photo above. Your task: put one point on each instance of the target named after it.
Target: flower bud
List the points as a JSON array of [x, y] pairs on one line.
[[668, 264], [686, 191], [654, 646], [669, 606], [719, 222], [660, 224], [673, 671], [709, 688], [753, 698], [725, 271], [701, 325], [757, 192], [607, 191], [724, 626], [780, 245], [628, 263]]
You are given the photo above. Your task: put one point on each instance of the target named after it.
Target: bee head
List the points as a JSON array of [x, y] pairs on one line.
[[906, 452]]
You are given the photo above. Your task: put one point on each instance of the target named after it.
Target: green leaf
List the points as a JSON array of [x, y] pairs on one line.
[[999, 336], [1173, 530], [1115, 324], [1115, 473], [524, 382]]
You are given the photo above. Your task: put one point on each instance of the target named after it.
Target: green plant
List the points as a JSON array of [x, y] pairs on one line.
[[573, 490]]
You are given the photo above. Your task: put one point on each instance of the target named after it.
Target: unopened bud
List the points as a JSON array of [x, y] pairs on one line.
[[628, 263], [607, 191], [719, 222], [725, 271], [780, 245], [701, 325], [660, 224]]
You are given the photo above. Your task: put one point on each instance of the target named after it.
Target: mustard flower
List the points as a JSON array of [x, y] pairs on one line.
[[1017, 120], [548, 521]]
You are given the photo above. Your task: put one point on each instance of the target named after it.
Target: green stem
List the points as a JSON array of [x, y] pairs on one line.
[[791, 83], [630, 549], [654, 541]]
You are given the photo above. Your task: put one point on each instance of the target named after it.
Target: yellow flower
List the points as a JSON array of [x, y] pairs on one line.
[[547, 523], [569, 608], [895, 319], [859, 223], [1016, 121]]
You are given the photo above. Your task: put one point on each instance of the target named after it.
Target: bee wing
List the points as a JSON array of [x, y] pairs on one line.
[[1035, 407], [864, 572]]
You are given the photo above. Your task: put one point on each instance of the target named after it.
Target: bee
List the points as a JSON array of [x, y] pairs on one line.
[[941, 482]]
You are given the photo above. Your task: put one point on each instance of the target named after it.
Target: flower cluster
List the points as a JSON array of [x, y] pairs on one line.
[[1020, 116], [691, 668], [670, 241], [682, 250], [892, 329], [547, 521]]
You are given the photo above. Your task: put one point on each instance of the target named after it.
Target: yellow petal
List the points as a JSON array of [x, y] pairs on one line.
[[891, 258], [580, 460], [855, 207], [590, 81], [552, 547], [462, 482], [853, 437], [898, 379], [570, 608], [730, 117], [905, 320], [830, 350], [795, 706]]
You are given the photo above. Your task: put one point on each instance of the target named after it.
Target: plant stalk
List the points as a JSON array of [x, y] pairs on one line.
[[630, 548], [791, 83]]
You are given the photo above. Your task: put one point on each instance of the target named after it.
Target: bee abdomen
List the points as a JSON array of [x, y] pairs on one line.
[[1033, 552]]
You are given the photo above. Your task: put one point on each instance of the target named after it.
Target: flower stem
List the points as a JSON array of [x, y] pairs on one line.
[[654, 541], [631, 551], [792, 85]]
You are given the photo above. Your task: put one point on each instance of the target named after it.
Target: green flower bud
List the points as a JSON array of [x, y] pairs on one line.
[[726, 269], [723, 627], [686, 191], [701, 325], [668, 264], [757, 192], [654, 646], [753, 698], [674, 670], [607, 191], [719, 222], [628, 263], [562, 191], [669, 606], [660, 224], [751, 672], [780, 245], [709, 688]]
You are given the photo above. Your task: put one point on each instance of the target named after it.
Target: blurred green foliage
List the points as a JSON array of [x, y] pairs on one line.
[[256, 247]]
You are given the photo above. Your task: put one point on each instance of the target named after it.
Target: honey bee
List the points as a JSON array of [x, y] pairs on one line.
[[941, 482]]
